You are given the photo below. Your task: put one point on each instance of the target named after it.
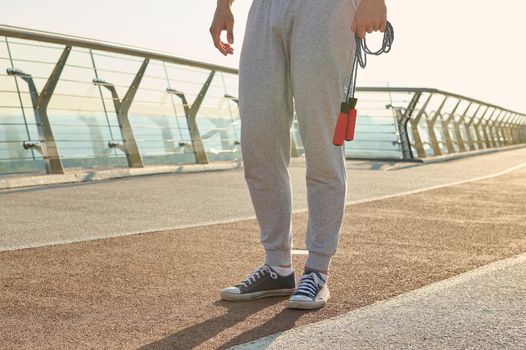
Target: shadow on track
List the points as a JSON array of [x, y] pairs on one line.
[[236, 312]]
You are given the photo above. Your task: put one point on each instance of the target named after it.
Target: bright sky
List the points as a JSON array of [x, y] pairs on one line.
[[471, 47]]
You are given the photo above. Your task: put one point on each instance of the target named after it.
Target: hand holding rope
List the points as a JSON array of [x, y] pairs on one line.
[[346, 122]]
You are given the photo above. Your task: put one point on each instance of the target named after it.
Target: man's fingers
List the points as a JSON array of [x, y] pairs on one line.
[[382, 26], [228, 48], [230, 32], [361, 28], [220, 47], [361, 32], [358, 28], [216, 37]]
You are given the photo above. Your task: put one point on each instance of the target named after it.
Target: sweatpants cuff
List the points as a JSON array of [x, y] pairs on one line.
[[278, 257], [318, 262]]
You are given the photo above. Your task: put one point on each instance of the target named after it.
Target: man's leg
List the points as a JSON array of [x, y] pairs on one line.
[[265, 104], [322, 51], [322, 48], [266, 114]]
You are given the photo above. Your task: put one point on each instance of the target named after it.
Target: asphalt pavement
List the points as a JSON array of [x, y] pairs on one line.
[[67, 213], [160, 289]]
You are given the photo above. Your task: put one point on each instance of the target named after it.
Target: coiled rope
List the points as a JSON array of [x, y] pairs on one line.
[[360, 56]]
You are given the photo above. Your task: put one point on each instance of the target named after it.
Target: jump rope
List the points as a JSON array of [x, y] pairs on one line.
[[346, 122]]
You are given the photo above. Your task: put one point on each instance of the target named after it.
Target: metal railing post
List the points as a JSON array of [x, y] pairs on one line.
[[520, 128], [518, 131], [502, 129], [419, 146], [402, 119], [46, 145], [491, 129], [494, 132], [484, 125], [497, 127], [470, 129], [191, 114], [432, 134], [514, 128], [462, 121], [522, 131], [129, 146], [478, 127], [459, 139], [507, 128]]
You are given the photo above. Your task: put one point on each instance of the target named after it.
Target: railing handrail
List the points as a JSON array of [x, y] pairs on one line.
[[95, 44], [435, 91], [64, 39]]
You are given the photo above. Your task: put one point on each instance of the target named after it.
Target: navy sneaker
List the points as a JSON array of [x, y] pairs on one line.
[[264, 282], [312, 292]]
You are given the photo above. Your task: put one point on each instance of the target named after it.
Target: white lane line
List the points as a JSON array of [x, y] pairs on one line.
[[424, 189], [253, 217], [384, 305], [300, 252]]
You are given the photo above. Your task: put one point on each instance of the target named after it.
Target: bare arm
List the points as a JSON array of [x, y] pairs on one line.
[[371, 15], [223, 20]]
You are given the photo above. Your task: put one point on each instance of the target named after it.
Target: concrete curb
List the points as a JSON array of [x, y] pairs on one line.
[[12, 182], [346, 320], [466, 154], [442, 158]]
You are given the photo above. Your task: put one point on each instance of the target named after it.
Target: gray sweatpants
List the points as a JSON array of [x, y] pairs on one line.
[[301, 49]]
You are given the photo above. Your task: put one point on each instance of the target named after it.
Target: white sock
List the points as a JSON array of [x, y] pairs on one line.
[[282, 271]]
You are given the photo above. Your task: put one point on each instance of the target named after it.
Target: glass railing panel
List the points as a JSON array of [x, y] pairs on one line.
[[158, 120], [231, 92], [15, 126], [80, 125], [376, 134], [189, 81], [218, 122], [3, 49], [35, 58], [297, 136], [116, 69], [453, 134], [13, 132], [423, 132]]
